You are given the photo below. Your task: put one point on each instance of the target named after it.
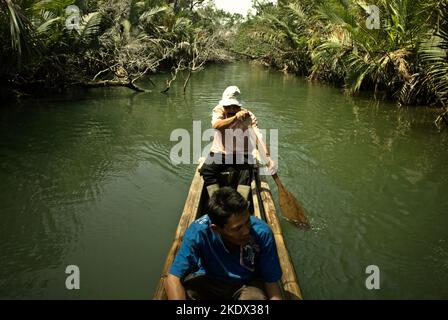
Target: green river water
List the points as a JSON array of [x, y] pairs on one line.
[[86, 180]]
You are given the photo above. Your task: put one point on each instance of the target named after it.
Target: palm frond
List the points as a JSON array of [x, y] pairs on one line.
[[22, 32], [433, 76], [89, 26], [148, 16], [57, 6], [47, 25]]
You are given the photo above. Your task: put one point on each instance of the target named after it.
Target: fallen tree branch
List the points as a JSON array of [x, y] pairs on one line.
[[186, 81], [113, 83], [152, 82], [173, 77], [192, 67], [105, 70]]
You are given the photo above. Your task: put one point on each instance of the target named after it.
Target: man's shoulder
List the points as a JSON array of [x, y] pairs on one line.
[[197, 231], [260, 227], [199, 225], [202, 222], [218, 108]]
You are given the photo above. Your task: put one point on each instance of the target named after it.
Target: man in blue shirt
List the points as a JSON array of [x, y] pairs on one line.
[[227, 254]]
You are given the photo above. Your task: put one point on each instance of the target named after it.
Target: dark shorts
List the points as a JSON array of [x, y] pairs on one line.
[[243, 164]]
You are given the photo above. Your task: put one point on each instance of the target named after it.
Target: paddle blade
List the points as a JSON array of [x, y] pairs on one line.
[[292, 209]]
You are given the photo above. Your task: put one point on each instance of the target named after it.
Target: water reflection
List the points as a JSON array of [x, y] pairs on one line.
[[86, 179]]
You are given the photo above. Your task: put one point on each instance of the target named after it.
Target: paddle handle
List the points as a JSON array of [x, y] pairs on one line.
[[277, 180], [290, 207], [258, 141]]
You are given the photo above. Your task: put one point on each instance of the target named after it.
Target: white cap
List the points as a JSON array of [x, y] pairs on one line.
[[231, 96]]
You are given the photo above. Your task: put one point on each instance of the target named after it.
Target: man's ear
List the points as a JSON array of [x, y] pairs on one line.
[[214, 227]]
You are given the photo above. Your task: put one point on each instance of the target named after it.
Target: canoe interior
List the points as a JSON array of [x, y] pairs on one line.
[[196, 206], [227, 179]]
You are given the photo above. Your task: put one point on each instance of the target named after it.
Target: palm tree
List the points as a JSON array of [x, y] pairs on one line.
[[15, 25], [378, 59], [280, 36], [431, 80]]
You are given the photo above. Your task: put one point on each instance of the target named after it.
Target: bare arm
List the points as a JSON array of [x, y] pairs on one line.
[[273, 291], [225, 123], [174, 289]]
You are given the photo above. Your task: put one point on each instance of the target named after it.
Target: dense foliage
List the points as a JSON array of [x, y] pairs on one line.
[[117, 42], [405, 57], [113, 42]]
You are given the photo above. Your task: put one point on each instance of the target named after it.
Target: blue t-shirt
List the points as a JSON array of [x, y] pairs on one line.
[[203, 252]]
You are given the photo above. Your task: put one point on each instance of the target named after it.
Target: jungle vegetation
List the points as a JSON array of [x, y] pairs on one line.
[[51, 43], [404, 57], [401, 53]]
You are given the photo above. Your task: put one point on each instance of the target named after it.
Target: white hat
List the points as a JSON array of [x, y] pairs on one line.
[[231, 96]]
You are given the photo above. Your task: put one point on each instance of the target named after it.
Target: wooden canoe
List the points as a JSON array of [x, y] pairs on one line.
[[262, 206]]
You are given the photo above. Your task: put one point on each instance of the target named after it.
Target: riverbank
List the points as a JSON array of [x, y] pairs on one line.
[[52, 46], [400, 55]]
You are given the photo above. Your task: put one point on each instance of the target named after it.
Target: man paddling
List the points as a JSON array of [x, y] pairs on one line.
[[232, 143], [227, 254]]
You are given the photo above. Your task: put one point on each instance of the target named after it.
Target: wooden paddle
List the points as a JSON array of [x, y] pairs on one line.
[[290, 207]]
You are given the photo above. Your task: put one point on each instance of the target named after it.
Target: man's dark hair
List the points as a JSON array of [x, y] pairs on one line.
[[224, 203]]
